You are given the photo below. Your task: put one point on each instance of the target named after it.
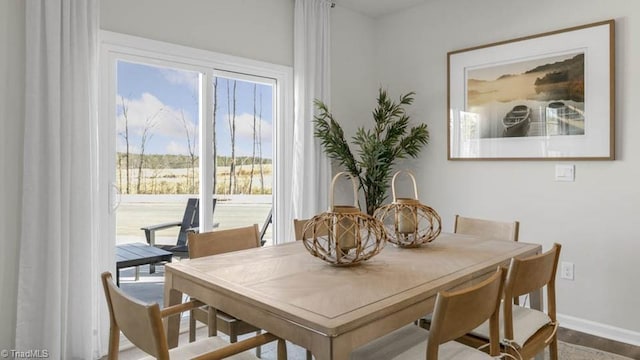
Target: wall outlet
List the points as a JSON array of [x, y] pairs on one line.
[[566, 270]]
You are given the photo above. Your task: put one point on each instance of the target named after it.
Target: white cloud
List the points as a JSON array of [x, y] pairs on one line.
[[148, 110], [177, 148], [244, 127], [181, 77]]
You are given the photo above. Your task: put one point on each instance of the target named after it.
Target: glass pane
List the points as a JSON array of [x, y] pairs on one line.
[[243, 152], [157, 147]]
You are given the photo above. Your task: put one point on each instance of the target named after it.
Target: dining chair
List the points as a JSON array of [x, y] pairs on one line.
[[219, 242], [455, 313], [142, 324], [298, 227], [525, 331], [481, 227]]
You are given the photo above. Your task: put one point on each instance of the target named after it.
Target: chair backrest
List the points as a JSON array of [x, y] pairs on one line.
[[529, 274], [190, 219], [458, 312], [299, 224], [298, 227], [222, 241], [495, 229], [140, 323]]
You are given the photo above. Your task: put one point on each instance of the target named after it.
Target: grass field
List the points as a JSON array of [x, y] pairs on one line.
[[185, 180]]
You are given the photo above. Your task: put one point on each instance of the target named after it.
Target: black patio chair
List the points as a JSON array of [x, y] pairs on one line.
[[266, 224], [189, 223]]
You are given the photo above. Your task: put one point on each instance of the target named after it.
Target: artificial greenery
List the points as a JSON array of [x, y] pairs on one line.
[[378, 149]]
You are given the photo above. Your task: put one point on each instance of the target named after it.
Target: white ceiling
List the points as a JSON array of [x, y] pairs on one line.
[[377, 8]]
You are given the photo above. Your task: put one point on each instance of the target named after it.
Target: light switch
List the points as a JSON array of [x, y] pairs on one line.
[[565, 172]]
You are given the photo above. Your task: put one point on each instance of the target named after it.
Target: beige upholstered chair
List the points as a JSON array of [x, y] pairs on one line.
[[495, 229], [452, 317], [142, 325], [218, 242], [524, 330]]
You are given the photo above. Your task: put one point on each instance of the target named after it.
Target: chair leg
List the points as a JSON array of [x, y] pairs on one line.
[[258, 348], [553, 349], [212, 321], [309, 356], [233, 333], [192, 326]]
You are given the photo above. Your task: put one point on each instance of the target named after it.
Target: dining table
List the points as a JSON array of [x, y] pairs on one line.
[[332, 310]]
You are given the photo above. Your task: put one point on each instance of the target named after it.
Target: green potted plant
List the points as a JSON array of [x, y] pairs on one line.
[[378, 149]]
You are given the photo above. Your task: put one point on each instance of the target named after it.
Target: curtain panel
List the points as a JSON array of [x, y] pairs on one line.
[[58, 298], [311, 167]]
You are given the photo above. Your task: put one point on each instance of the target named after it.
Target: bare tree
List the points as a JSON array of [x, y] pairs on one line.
[[232, 130], [253, 152], [190, 134], [120, 171], [125, 135], [149, 123], [260, 144], [215, 143]]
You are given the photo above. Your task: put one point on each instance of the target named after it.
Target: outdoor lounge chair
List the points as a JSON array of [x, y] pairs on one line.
[[189, 223]]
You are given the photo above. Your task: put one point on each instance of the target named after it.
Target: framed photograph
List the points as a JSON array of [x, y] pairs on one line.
[[543, 97]]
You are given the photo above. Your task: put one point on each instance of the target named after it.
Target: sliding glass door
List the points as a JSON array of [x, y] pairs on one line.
[[181, 123]]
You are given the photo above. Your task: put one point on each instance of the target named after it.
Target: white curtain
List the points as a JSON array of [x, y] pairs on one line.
[[58, 282], [311, 167]]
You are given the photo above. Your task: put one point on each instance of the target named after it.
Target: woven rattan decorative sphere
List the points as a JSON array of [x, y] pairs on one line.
[[344, 235], [407, 222]]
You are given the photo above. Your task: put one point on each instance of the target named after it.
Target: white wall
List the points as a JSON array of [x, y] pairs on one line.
[[594, 218], [255, 29], [12, 118], [353, 81]]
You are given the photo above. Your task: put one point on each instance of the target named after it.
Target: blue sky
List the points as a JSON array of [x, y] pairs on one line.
[[166, 101]]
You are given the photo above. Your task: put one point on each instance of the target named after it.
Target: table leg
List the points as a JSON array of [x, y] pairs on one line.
[[172, 323]]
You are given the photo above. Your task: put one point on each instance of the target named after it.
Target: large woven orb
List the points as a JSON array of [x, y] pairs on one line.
[[409, 223], [344, 236]]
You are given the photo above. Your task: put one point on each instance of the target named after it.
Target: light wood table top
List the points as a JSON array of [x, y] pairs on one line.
[[333, 310]]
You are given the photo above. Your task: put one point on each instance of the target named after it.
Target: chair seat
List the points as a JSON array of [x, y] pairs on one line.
[[410, 343], [526, 322], [191, 350]]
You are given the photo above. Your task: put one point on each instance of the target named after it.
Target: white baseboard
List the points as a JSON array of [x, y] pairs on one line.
[[598, 329]]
